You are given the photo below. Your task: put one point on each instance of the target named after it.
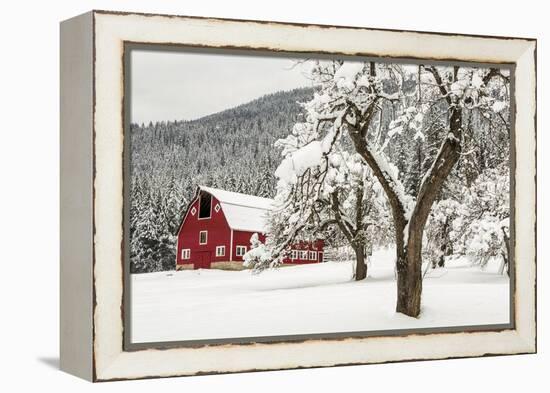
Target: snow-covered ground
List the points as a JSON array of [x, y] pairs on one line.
[[306, 299]]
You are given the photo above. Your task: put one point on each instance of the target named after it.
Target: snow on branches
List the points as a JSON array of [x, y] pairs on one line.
[[258, 255], [321, 183], [378, 127], [474, 221]]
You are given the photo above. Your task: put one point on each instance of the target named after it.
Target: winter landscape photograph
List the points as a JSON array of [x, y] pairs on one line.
[[275, 196]]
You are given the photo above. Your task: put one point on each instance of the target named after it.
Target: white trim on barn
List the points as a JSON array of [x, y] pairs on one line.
[[243, 212], [195, 198], [240, 247], [231, 246], [177, 248]]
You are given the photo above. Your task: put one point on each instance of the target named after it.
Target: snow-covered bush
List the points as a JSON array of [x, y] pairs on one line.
[[480, 227], [486, 239], [488, 203], [473, 221], [258, 255], [439, 236]]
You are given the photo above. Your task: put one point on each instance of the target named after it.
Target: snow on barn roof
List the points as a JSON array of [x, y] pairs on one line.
[[243, 212]]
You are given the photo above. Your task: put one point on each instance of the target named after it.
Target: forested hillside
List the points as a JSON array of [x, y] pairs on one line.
[[232, 150]]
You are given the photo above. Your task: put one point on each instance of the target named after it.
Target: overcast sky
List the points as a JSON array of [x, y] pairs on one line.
[[176, 85]]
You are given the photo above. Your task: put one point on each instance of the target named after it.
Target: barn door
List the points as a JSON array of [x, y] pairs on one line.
[[203, 260]]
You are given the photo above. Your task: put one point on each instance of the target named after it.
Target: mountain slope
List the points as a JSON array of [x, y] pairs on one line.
[[232, 150]]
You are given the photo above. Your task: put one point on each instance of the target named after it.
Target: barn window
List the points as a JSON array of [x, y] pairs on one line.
[[303, 254], [241, 250], [313, 255], [185, 253], [220, 251], [203, 237], [205, 205], [294, 254]]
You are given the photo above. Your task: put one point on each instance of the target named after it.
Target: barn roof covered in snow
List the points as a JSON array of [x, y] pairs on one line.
[[243, 212]]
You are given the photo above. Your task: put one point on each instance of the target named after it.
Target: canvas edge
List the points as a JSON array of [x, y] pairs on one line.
[[525, 258], [524, 337], [301, 24], [76, 194]]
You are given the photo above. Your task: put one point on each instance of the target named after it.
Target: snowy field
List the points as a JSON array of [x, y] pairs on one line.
[[306, 299]]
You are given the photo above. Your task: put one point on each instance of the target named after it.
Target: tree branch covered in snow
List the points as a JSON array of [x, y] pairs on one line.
[[367, 109]]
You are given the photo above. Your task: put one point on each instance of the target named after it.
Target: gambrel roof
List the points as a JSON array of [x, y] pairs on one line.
[[243, 212]]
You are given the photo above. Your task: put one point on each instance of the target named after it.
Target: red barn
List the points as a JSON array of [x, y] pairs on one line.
[[216, 229]]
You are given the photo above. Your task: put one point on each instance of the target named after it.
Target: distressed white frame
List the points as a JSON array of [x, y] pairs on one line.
[[109, 361], [220, 251]]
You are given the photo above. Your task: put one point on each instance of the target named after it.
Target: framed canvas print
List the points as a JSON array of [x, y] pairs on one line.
[[247, 195]]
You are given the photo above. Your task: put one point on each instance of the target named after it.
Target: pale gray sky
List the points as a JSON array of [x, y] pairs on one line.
[[177, 85]]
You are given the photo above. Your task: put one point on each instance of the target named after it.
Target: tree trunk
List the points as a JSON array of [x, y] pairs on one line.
[[445, 243], [361, 265], [409, 274], [441, 261], [409, 244], [409, 291], [409, 259]]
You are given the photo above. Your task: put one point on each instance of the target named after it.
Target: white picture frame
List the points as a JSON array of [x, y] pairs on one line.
[[92, 190]]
